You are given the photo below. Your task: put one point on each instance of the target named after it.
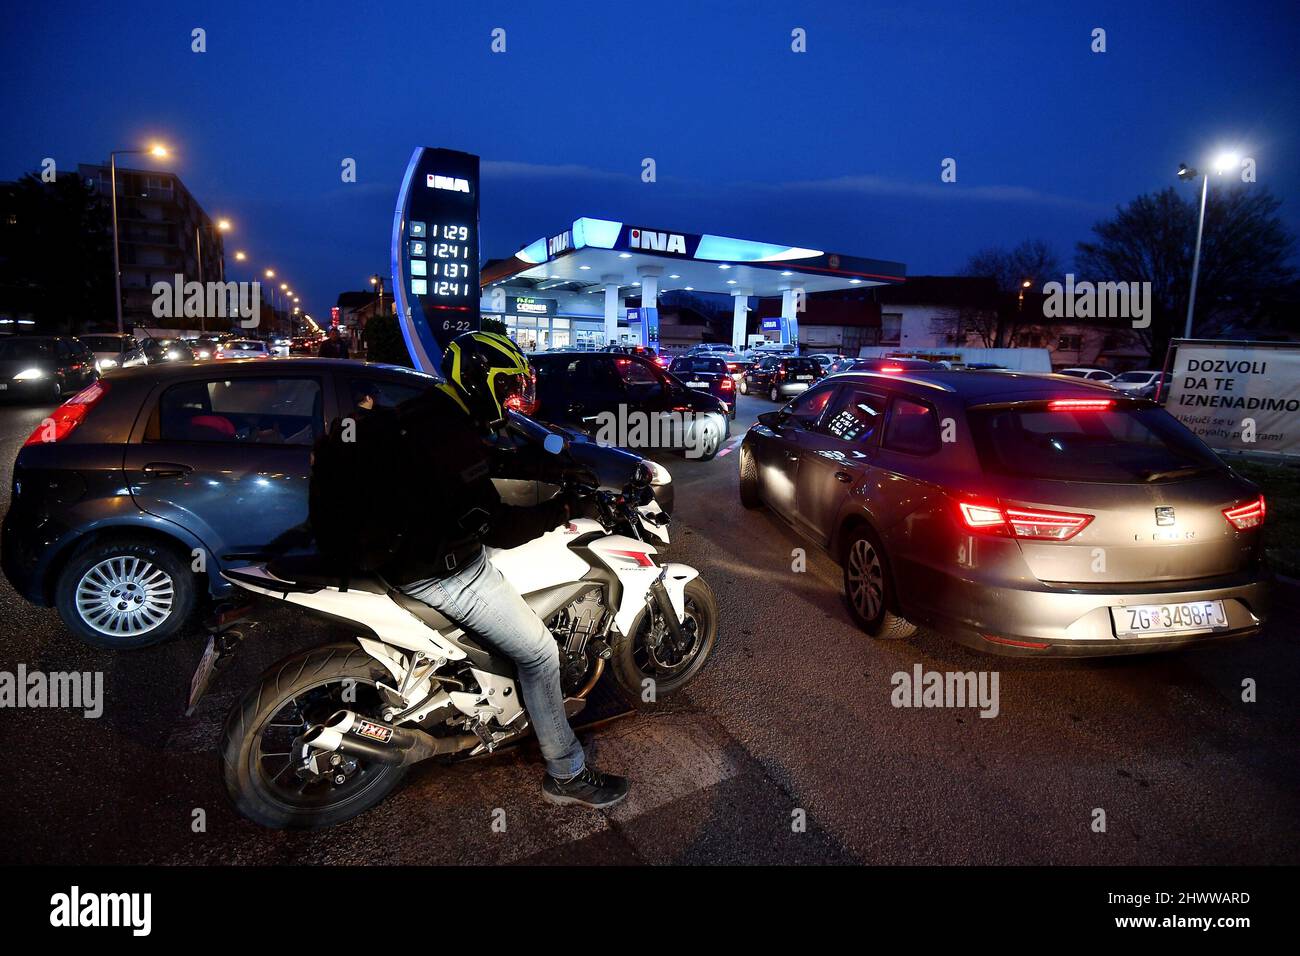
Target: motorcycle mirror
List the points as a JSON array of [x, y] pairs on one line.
[[553, 443]]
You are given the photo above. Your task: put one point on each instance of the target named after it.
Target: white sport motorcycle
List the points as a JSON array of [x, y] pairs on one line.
[[327, 733]]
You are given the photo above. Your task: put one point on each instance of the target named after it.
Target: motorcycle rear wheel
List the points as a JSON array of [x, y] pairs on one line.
[[258, 754]]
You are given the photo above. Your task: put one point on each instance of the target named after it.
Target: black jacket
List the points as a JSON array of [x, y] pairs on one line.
[[448, 497]]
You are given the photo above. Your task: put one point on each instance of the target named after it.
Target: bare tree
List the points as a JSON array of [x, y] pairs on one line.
[[1244, 255], [1033, 261]]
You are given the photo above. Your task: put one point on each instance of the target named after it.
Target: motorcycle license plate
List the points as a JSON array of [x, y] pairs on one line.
[[202, 674], [1190, 617]]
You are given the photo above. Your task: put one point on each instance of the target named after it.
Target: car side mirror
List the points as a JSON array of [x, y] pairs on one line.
[[772, 419]]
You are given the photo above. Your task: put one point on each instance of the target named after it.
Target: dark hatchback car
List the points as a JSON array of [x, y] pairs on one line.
[[780, 376], [147, 484], [711, 376], [616, 397], [44, 367], [1019, 514]]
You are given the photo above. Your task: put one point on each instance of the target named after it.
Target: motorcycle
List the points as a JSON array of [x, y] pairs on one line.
[[328, 733]]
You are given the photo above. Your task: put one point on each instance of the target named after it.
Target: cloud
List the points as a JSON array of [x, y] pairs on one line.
[[506, 169], [881, 186]]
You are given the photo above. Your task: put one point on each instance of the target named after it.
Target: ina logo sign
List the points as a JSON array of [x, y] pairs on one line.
[[652, 241], [450, 183]]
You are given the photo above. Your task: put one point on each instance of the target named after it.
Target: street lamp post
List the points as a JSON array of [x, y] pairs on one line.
[[159, 151], [1188, 173]]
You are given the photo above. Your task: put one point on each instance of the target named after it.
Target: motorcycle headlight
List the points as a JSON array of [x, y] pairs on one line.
[[28, 374]]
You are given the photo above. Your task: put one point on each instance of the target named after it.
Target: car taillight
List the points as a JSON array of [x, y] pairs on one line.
[[1079, 404], [1249, 515], [67, 416], [727, 383], [995, 518], [891, 368]]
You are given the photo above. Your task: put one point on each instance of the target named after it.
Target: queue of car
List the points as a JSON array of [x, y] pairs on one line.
[[989, 534]]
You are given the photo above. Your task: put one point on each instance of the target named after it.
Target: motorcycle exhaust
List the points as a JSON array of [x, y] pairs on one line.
[[355, 735]]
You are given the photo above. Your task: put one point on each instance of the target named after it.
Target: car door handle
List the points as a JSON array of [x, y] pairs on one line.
[[166, 469], [843, 476]]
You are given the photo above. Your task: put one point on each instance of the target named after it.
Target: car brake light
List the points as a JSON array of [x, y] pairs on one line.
[[981, 517], [1055, 525], [727, 383], [1249, 515], [67, 416], [993, 518], [891, 368], [1079, 404]]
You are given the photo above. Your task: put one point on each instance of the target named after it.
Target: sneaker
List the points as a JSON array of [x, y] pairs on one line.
[[590, 788]]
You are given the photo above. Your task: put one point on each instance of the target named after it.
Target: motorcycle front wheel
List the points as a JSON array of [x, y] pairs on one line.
[[649, 664], [261, 746]]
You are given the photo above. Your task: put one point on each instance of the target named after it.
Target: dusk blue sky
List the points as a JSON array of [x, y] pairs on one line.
[[838, 148]]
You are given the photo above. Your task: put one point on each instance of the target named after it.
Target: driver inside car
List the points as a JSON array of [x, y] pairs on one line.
[[441, 559]]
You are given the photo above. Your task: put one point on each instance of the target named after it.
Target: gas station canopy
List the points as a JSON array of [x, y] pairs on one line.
[[606, 254]]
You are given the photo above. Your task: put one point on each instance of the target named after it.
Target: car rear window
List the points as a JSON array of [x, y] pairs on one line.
[[800, 366], [23, 351], [1122, 444], [245, 346], [264, 411]]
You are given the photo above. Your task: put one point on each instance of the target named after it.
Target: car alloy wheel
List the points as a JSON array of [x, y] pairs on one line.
[[866, 579], [744, 386], [124, 596]]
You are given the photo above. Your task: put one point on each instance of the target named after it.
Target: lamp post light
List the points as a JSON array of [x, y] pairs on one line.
[[222, 225], [157, 150], [1187, 174]]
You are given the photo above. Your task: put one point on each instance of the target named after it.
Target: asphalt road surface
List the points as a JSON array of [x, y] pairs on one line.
[[786, 749]]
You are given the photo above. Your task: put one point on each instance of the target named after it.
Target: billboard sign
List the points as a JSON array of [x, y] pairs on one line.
[[1238, 396]]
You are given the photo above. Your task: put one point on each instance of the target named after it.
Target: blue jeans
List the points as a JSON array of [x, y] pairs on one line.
[[480, 600]]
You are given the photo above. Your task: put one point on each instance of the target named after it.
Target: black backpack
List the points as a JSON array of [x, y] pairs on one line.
[[357, 494]]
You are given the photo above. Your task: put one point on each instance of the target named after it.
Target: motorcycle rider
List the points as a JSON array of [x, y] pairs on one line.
[[455, 510]]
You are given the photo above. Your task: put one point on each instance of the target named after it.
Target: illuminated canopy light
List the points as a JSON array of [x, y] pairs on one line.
[[717, 248]]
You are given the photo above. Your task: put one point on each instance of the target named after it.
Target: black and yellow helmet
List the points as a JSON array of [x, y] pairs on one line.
[[488, 374]]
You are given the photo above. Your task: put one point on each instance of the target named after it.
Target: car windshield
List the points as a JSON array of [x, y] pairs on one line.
[[23, 350], [102, 343], [1117, 443]]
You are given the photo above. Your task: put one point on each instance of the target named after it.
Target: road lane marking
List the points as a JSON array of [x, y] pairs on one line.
[[731, 447]]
